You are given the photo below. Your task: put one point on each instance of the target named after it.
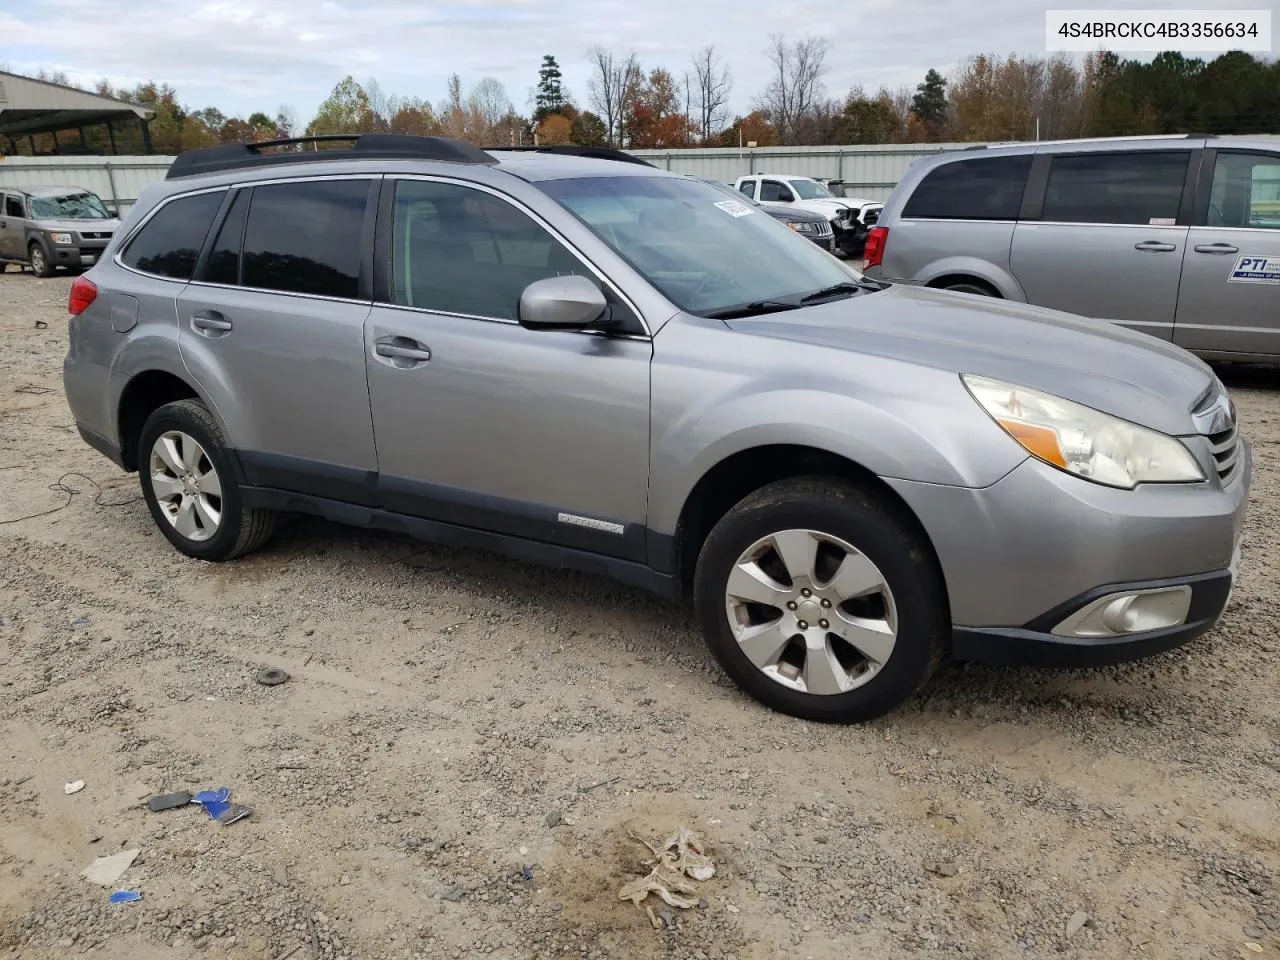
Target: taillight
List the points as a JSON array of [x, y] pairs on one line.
[[873, 253], [83, 292]]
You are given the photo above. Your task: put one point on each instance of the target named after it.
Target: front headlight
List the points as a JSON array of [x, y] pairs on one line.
[[63, 239], [800, 226], [1081, 440]]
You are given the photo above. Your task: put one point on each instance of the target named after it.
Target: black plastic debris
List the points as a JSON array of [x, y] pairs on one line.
[[271, 677], [169, 801]]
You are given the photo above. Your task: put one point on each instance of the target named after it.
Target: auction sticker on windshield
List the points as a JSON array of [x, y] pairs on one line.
[[1256, 270], [734, 209]]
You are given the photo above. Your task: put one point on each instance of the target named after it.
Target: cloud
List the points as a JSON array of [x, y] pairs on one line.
[[245, 55]]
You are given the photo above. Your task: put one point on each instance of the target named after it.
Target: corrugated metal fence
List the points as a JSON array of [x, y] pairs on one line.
[[871, 171], [117, 180]]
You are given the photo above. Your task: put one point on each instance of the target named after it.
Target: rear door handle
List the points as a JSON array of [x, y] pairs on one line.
[[210, 323], [1155, 246], [403, 349], [1219, 248]]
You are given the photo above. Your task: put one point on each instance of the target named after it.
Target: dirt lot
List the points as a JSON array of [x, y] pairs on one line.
[[453, 719]]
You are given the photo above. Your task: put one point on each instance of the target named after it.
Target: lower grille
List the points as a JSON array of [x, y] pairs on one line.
[[1225, 447]]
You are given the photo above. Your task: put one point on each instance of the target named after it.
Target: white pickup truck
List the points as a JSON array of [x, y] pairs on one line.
[[851, 217]]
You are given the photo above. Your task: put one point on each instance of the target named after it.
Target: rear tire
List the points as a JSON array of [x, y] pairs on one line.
[[976, 287], [873, 584], [190, 488], [39, 260]]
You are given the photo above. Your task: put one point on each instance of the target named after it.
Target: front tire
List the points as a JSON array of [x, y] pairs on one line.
[[821, 600], [190, 488], [41, 266]]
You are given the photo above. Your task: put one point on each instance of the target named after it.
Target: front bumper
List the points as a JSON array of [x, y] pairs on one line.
[[83, 254], [1023, 554]]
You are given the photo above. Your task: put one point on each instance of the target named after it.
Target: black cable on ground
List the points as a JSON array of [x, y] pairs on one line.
[[61, 486]]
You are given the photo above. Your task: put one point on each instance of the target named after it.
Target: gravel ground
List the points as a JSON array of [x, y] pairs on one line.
[[453, 719]]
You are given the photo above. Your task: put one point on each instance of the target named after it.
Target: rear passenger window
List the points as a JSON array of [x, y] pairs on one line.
[[985, 188], [223, 265], [1140, 188], [459, 250], [749, 188], [306, 237], [168, 243]]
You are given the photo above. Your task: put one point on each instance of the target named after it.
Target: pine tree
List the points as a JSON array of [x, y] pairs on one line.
[[550, 95], [930, 102]]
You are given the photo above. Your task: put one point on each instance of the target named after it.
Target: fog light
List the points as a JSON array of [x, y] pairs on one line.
[[1134, 611]]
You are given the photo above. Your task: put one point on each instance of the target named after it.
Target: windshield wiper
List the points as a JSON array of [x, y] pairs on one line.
[[751, 309], [835, 289]]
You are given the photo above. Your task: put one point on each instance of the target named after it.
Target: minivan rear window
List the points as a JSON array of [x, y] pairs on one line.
[[982, 188], [169, 243], [1141, 188]]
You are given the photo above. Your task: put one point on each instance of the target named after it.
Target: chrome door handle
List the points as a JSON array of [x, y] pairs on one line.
[[1155, 246], [1219, 248], [396, 351], [212, 322]]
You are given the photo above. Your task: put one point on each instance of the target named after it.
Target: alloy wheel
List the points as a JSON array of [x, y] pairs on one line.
[[186, 485]]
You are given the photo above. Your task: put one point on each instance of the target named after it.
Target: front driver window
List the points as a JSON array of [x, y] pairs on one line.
[[461, 250], [1246, 192]]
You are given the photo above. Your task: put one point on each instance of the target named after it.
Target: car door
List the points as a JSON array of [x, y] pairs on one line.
[[537, 434], [1229, 299], [12, 226], [272, 328], [1105, 239]]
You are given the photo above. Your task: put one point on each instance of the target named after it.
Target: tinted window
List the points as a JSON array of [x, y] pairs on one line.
[[223, 265], [1246, 191], [170, 241], [774, 190], [306, 237], [749, 188], [984, 188], [459, 250], [1144, 188], [13, 206]]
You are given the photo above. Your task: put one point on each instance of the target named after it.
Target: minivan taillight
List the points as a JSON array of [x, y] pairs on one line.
[[873, 253], [83, 292]]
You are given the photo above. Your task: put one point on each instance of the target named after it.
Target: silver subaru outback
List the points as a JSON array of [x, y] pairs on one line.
[[586, 362]]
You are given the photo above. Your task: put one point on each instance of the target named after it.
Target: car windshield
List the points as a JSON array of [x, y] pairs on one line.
[[73, 206], [809, 189], [708, 253]]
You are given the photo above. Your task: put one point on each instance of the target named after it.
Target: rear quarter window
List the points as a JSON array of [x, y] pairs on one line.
[[169, 243], [983, 188]]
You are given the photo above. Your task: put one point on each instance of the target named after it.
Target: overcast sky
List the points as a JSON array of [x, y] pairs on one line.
[[247, 55]]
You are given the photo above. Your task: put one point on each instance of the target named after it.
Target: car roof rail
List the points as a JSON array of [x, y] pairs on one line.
[[364, 146], [573, 150]]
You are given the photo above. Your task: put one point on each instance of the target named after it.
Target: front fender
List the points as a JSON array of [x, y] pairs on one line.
[[947, 441], [1003, 281]]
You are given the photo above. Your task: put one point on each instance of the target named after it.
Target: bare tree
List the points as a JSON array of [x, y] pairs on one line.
[[489, 103], [614, 84], [711, 93], [795, 89]]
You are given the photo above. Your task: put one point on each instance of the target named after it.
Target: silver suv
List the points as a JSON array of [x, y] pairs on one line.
[[594, 364], [1178, 237], [52, 227]]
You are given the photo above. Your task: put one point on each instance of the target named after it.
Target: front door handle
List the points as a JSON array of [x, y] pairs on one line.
[[1219, 248], [405, 349], [1155, 246], [210, 323]]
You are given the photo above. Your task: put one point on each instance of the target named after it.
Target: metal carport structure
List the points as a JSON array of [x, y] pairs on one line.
[[29, 107]]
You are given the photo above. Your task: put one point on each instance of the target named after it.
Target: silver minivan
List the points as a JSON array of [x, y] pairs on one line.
[[1178, 237], [50, 227]]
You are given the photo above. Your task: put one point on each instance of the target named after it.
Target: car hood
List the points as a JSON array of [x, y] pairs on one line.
[[1126, 374], [90, 226], [792, 212]]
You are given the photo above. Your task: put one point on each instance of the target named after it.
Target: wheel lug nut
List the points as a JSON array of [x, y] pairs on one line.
[[826, 602], [806, 592], [791, 604], [823, 624], [803, 625]]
